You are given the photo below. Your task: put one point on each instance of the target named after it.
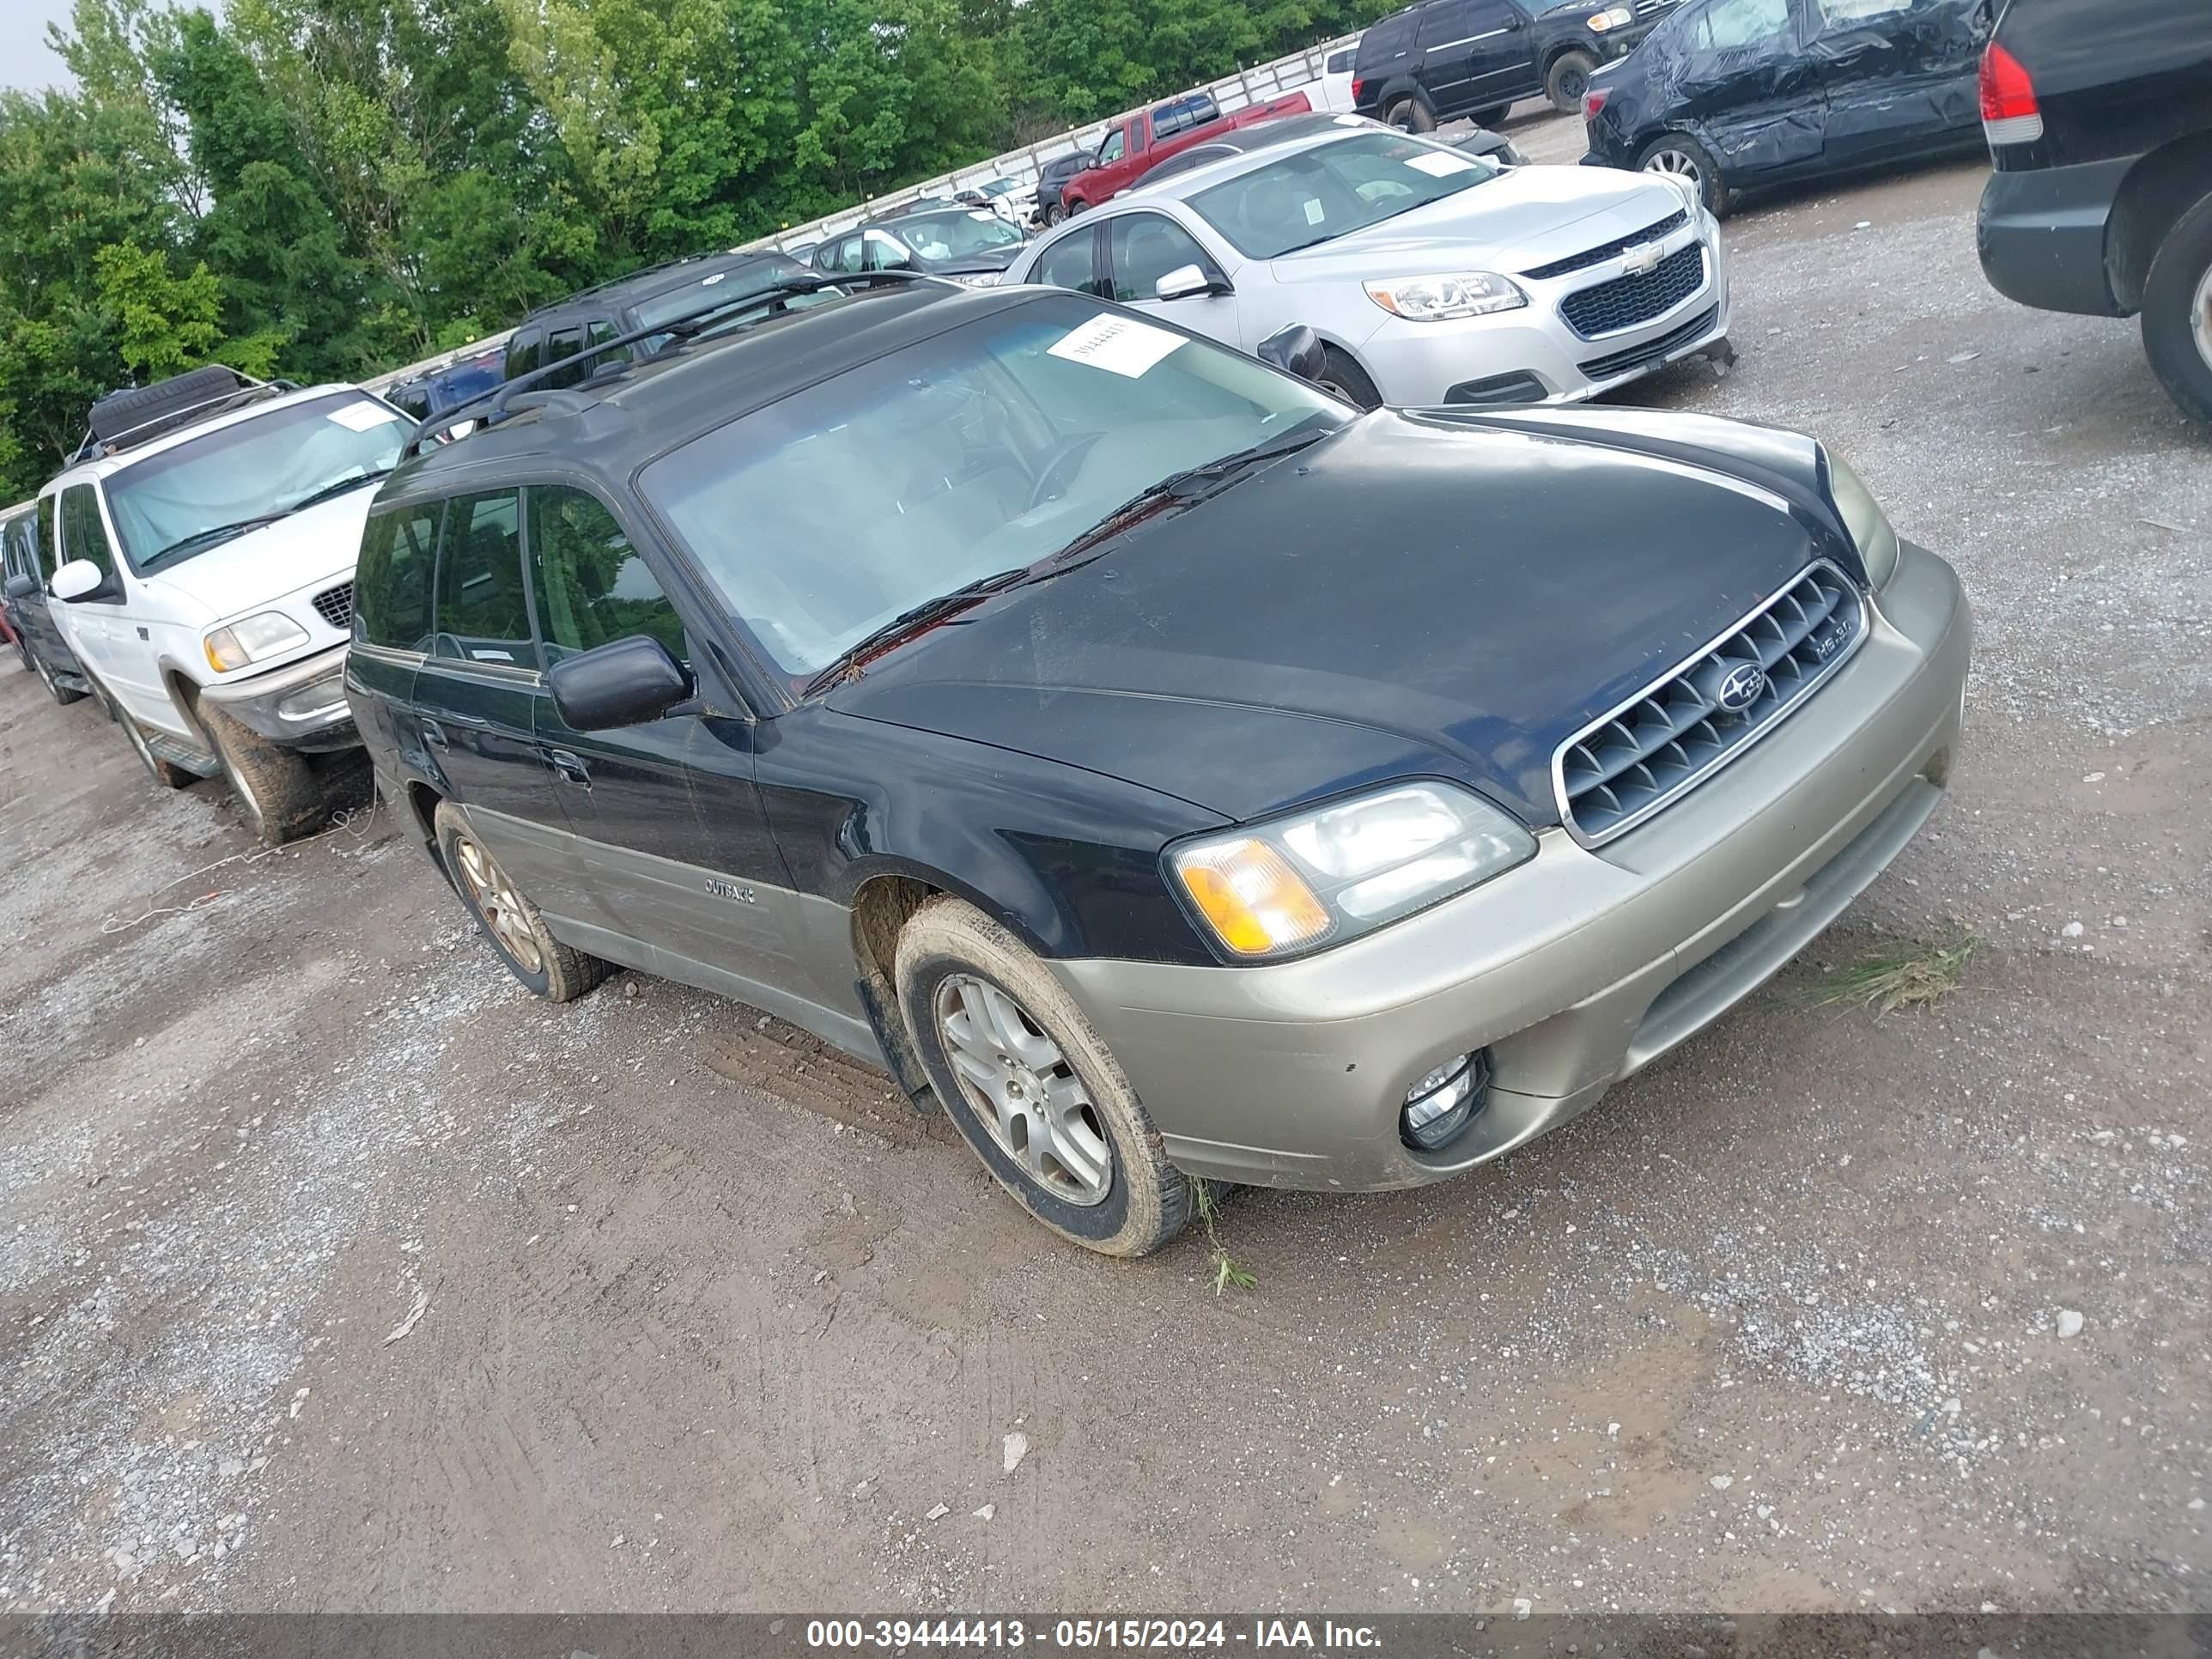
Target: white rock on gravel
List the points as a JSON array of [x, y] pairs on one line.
[[2069, 1323], [937, 1512], [1018, 1448], [1722, 1482]]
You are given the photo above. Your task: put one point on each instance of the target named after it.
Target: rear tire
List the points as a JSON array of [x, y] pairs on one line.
[[1345, 378], [1034, 1080], [277, 790], [1675, 153], [1567, 79], [525, 945], [1492, 118], [1410, 115], [1054, 215], [2177, 314]]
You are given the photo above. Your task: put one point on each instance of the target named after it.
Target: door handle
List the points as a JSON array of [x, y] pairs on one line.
[[568, 768], [434, 735]]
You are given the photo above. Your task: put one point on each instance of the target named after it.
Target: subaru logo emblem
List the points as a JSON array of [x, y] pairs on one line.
[[1741, 688]]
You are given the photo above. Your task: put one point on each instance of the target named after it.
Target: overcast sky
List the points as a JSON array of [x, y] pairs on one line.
[[24, 60]]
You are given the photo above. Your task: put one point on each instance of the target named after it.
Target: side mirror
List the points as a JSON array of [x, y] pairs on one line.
[[20, 587], [80, 579], [1185, 282], [626, 682], [1295, 350]]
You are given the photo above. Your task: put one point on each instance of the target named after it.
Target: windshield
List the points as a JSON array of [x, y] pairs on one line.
[[955, 235], [987, 448], [183, 501], [1319, 195], [754, 278]]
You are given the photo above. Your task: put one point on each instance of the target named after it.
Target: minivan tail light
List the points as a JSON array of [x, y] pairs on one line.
[[1594, 101], [2010, 113]]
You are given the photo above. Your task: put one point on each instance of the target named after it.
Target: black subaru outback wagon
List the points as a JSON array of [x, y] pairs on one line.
[[1022, 694]]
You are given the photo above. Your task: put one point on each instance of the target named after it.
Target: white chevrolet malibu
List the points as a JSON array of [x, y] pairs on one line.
[[1431, 275]]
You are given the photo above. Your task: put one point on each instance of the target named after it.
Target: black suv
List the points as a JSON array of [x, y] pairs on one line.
[[634, 304], [27, 565], [2100, 121], [1016, 691], [1442, 59]]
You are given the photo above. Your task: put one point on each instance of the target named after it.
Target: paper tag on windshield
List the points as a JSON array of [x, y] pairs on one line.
[[361, 417], [1120, 345], [1439, 164]]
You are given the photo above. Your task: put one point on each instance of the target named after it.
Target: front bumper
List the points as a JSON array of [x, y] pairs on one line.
[[2042, 236], [1532, 357], [1576, 969], [302, 704]]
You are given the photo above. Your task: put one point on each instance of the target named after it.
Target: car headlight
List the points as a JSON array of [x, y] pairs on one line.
[[251, 641], [1337, 871], [1439, 299], [1872, 533], [1614, 17], [979, 279]]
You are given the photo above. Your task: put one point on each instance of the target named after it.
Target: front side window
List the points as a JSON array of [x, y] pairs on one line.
[[1113, 149], [1146, 247], [481, 615], [985, 449], [1318, 195], [83, 535], [1733, 25], [525, 351], [392, 583], [198, 494], [592, 587]]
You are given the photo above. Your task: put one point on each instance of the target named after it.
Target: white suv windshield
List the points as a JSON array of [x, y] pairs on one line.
[[985, 449], [201, 492], [1319, 195]]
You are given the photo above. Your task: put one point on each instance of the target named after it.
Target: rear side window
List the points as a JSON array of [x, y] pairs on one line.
[[481, 614], [1446, 21], [83, 535], [601, 332], [1071, 263], [592, 587], [391, 584], [1339, 61], [47, 541], [414, 399], [1385, 39], [524, 351]]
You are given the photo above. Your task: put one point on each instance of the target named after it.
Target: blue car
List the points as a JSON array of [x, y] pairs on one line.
[[449, 387]]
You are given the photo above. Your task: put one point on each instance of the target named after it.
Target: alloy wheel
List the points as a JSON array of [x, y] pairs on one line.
[[1024, 1091], [1683, 166], [498, 904], [2200, 318]]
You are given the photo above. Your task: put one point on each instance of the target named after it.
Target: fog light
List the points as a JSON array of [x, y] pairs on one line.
[[1440, 1107]]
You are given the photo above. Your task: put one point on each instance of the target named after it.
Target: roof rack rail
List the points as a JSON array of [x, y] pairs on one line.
[[494, 404]]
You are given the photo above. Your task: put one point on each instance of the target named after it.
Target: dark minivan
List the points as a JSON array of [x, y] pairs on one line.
[[1018, 692], [1442, 59], [642, 301]]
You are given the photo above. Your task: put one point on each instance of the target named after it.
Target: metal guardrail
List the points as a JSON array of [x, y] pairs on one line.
[[1298, 72]]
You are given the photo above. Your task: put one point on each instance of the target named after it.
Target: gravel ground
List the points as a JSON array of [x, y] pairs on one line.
[[337, 1273]]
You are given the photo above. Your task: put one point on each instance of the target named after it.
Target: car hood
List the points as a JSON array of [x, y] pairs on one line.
[[248, 572], [1416, 594], [1524, 218]]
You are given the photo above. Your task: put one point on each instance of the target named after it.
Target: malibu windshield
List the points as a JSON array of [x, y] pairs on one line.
[[1319, 195], [986, 449], [180, 502]]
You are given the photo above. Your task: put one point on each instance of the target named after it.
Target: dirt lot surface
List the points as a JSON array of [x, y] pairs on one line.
[[337, 1274]]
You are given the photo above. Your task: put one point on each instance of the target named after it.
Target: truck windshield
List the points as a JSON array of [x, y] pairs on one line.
[[1319, 195], [177, 503], [980, 451]]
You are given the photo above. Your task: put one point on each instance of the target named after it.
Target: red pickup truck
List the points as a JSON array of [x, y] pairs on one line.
[[1141, 142]]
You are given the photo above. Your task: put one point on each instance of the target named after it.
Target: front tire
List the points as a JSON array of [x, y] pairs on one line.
[[1685, 157], [2176, 312], [1344, 377], [557, 972], [1410, 115], [277, 790], [1054, 215], [1567, 79], [1031, 1086]]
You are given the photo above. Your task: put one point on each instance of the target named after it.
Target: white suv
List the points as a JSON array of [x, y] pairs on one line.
[[207, 532]]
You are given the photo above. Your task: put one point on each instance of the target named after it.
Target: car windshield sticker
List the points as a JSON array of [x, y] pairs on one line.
[[1353, 121], [362, 415], [1120, 345], [1315, 212], [1439, 164]]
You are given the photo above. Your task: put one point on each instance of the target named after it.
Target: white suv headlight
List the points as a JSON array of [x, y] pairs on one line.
[[1439, 299], [1871, 531], [1340, 871], [258, 637], [1614, 17]]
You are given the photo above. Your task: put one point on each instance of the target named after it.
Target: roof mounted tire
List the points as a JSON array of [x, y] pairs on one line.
[[120, 412]]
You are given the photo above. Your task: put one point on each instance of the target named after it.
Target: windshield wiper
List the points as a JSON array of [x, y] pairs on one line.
[[918, 619], [338, 489], [1176, 491], [207, 537]]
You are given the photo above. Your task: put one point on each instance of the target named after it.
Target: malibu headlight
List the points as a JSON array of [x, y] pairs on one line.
[[1613, 17], [1337, 871], [254, 639], [1440, 299], [978, 279], [1872, 533]]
